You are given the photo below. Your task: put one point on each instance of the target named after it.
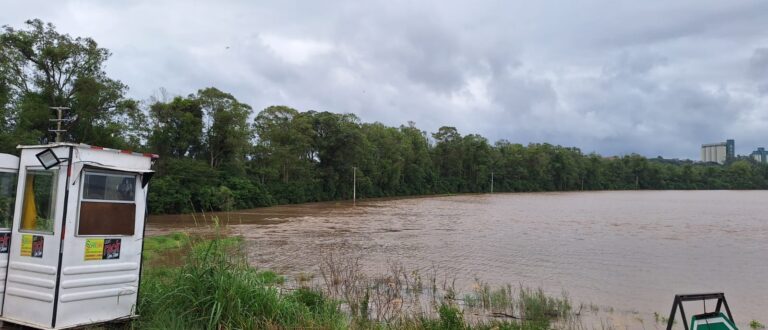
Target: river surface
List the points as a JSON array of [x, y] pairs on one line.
[[629, 250]]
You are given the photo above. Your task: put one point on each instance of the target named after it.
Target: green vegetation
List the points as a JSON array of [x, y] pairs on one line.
[[178, 244], [755, 324], [7, 198], [156, 246], [214, 288], [212, 158], [662, 319]]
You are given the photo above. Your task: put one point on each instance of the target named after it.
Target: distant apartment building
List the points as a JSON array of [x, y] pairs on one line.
[[760, 155], [718, 152]]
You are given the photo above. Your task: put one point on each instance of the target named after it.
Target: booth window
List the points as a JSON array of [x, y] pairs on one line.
[[7, 198], [39, 206], [107, 204]]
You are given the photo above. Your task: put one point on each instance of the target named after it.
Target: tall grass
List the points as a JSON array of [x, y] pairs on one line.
[[157, 246], [216, 289], [399, 299], [213, 287]]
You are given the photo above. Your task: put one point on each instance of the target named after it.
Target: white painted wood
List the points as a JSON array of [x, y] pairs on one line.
[[90, 291], [8, 164], [97, 281], [105, 268], [26, 303]]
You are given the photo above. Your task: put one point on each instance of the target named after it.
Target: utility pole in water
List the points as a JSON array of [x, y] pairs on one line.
[[354, 185], [491, 182]]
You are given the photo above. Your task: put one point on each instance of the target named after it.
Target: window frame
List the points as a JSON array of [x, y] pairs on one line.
[[13, 205], [112, 174], [56, 170], [81, 199]]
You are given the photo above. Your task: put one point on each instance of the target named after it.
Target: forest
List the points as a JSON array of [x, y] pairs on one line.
[[218, 153]]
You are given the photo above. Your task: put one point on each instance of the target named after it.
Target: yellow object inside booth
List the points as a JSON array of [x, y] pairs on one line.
[[37, 211], [29, 210]]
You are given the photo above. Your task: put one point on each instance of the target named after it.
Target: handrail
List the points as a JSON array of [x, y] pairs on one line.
[[680, 298]]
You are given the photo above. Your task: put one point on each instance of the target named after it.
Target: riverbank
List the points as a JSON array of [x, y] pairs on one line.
[[213, 287], [196, 282], [271, 214]]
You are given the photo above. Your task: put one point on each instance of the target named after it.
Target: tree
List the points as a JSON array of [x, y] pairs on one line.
[[477, 162], [132, 120], [340, 146], [446, 134], [43, 68], [447, 158], [383, 160], [227, 133], [177, 127], [285, 138], [418, 176]]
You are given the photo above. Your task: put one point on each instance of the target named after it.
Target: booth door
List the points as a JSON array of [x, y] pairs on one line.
[[100, 271], [35, 246], [7, 203]]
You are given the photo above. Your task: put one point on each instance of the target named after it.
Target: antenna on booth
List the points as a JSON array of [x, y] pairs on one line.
[[58, 120]]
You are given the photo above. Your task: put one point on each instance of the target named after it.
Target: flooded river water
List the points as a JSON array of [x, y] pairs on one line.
[[630, 250]]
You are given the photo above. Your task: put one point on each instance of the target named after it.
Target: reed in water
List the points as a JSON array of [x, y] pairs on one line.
[[214, 287]]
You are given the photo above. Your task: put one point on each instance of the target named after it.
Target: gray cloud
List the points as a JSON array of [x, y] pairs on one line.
[[758, 69], [651, 77]]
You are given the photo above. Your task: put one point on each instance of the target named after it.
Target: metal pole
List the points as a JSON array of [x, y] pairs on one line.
[[671, 319], [58, 125], [491, 182], [727, 309], [354, 185]]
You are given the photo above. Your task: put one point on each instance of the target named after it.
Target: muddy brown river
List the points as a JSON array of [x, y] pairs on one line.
[[627, 251]]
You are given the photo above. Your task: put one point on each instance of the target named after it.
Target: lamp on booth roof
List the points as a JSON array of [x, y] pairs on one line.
[[48, 158]]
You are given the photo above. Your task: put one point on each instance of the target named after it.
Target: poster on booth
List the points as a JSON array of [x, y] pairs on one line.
[[94, 248], [102, 249], [111, 249], [5, 242], [32, 246]]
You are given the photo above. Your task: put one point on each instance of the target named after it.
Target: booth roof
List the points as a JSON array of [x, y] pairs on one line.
[[9, 161], [86, 146]]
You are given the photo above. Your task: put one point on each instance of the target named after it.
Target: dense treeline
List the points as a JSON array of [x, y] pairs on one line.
[[217, 156]]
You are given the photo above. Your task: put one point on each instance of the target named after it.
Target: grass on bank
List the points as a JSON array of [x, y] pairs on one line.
[[156, 246], [213, 287], [177, 245]]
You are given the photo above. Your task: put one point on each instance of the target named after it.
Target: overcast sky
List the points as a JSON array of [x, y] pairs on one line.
[[615, 77]]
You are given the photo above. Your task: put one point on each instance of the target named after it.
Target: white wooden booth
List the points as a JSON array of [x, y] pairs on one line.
[[76, 236], [9, 166]]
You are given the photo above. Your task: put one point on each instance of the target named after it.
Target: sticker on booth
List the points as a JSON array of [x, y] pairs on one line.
[[32, 246], [5, 242], [102, 249], [112, 249], [37, 246], [94, 249]]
